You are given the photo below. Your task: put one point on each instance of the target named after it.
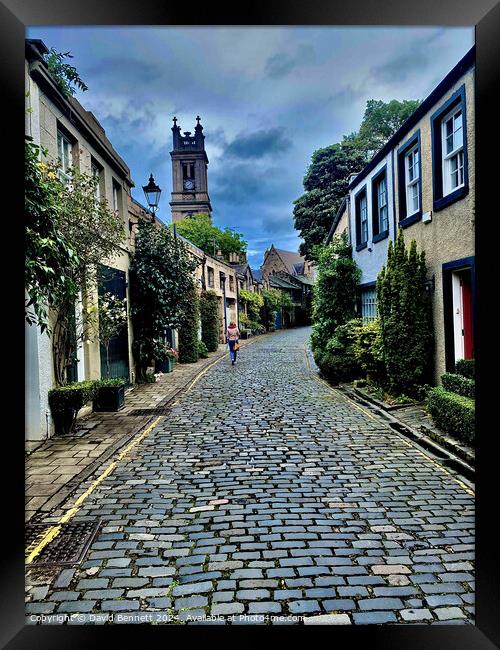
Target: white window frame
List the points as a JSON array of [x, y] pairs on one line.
[[382, 220], [412, 162], [363, 212], [65, 156], [369, 304], [457, 151]]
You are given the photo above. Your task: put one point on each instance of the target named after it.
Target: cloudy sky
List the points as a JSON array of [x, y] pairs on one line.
[[268, 97]]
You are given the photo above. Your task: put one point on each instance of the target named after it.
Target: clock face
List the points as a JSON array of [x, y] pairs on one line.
[[189, 184]]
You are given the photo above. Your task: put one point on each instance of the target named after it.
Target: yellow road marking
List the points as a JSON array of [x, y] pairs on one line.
[[464, 486], [54, 530]]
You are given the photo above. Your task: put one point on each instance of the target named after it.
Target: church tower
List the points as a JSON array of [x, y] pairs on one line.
[[189, 173]]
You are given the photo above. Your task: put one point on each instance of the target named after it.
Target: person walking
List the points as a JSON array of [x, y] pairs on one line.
[[232, 337]]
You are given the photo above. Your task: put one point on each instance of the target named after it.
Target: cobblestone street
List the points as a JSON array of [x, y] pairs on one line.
[[264, 496]]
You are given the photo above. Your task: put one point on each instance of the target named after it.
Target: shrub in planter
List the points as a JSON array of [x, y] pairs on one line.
[[202, 350], [110, 395], [458, 384], [335, 356], [164, 361], [66, 401], [465, 367], [452, 413]]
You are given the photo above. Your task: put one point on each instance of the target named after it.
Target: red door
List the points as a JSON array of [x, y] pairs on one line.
[[467, 315]]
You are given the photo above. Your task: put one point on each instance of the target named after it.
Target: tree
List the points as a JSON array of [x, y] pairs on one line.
[[65, 75], [160, 281], [210, 321], [95, 233], [112, 319], [334, 294], [381, 120], [326, 181], [404, 309], [271, 304], [200, 231], [50, 260]]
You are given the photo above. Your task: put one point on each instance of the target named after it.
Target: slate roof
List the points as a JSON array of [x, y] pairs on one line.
[[281, 283], [257, 274], [291, 260]]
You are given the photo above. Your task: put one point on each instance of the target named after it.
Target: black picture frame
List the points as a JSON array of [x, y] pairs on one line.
[[485, 14]]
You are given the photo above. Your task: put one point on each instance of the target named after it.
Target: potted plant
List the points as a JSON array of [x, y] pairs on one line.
[[165, 359], [110, 395], [66, 401]]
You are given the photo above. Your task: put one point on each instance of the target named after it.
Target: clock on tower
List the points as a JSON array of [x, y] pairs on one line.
[[189, 173]]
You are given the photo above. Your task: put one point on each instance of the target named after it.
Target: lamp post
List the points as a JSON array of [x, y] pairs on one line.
[[152, 193]]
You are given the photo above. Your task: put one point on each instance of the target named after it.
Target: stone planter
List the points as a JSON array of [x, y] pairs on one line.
[[109, 398]]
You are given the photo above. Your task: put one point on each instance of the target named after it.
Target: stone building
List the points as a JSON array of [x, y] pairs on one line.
[[422, 181], [214, 274], [61, 125], [189, 173]]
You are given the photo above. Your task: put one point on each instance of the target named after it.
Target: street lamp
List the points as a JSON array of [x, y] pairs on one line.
[[152, 193]]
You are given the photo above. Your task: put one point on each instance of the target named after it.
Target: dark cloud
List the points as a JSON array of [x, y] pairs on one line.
[[281, 64], [259, 144], [400, 68], [122, 68]]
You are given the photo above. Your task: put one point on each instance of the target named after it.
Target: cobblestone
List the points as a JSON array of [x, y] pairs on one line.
[[341, 515]]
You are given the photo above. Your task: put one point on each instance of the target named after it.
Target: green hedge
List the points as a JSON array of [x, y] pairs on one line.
[[66, 401], [452, 413], [465, 367], [202, 350], [188, 331], [458, 384], [210, 321], [335, 356]]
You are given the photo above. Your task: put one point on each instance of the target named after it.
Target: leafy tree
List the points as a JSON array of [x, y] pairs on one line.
[[326, 180], [112, 320], [271, 304], [160, 284], [200, 230], [334, 294], [65, 75], [381, 120], [252, 302], [50, 261], [404, 309], [325, 184], [95, 233], [189, 348], [210, 321]]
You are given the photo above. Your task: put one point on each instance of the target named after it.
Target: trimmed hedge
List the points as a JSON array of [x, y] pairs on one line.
[[335, 357], [458, 384], [465, 367], [188, 331], [202, 350], [66, 401], [210, 321], [452, 413]]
